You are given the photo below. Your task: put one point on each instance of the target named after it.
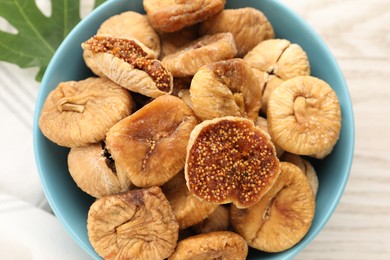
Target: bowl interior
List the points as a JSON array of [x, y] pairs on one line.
[[71, 205]]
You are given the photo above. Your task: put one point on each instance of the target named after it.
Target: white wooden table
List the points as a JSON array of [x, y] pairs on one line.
[[358, 33]]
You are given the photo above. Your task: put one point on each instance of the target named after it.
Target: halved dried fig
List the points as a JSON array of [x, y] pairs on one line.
[[129, 63], [249, 26], [278, 60], [282, 217], [306, 167], [150, 144], [217, 221], [138, 224], [304, 116], [205, 50], [79, 113], [188, 209], [94, 171], [225, 88], [173, 15], [133, 25], [215, 245], [230, 160], [172, 42], [262, 123]]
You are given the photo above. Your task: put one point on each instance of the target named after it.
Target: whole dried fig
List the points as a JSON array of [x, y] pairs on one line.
[[138, 224], [249, 26], [150, 144], [283, 215], [79, 113], [230, 160], [225, 88]]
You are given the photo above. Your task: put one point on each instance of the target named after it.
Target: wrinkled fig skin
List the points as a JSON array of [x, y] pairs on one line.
[[94, 172], [224, 245], [262, 123], [138, 224], [205, 50], [150, 144], [172, 42], [304, 116], [217, 221], [188, 209], [133, 25], [282, 217], [173, 15], [79, 113], [226, 88], [248, 26]]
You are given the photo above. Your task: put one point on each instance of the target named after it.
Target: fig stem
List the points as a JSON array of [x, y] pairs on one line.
[[300, 112], [71, 107]]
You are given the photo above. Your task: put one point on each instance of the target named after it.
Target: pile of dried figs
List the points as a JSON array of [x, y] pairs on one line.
[[191, 136]]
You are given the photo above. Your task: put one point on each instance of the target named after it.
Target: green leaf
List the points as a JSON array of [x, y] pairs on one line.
[[37, 36]]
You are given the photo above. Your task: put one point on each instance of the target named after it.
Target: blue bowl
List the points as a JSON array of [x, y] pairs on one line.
[[71, 205]]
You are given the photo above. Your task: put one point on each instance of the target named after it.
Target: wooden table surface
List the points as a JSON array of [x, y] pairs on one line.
[[358, 34]]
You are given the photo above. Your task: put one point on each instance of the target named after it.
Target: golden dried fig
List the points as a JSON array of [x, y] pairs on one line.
[[282, 217], [230, 160], [262, 123], [133, 25], [94, 171], [249, 26], [304, 116], [306, 167], [278, 60], [205, 50], [173, 15], [188, 209], [79, 113], [129, 63], [217, 221], [172, 42], [225, 88], [138, 224], [224, 245], [150, 144]]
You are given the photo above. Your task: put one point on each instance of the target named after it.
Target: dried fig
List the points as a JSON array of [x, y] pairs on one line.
[[230, 160], [225, 88], [262, 123], [306, 167], [207, 49], [188, 209], [249, 26], [224, 245], [94, 171], [173, 15], [304, 116], [150, 144], [133, 25], [79, 113], [172, 42], [282, 217], [217, 221], [138, 224], [129, 63], [278, 60]]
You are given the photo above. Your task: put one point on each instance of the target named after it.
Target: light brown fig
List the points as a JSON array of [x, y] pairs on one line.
[[138, 224], [129, 63], [93, 170], [150, 144], [304, 116], [226, 88], [79, 113], [249, 27], [188, 209], [306, 167], [210, 48], [173, 15], [133, 25], [282, 217], [262, 123], [217, 221], [172, 42], [230, 160], [278, 60], [224, 245]]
